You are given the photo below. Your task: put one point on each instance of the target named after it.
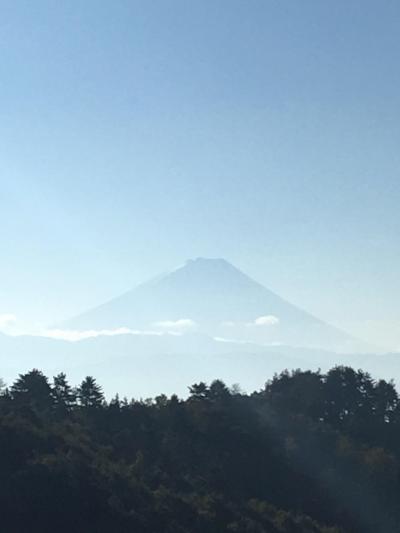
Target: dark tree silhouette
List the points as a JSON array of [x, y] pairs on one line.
[[63, 394], [218, 390], [198, 391], [33, 390], [309, 449], [90, 393]]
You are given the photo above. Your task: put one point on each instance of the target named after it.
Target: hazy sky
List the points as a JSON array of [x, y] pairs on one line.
[[137, 134]]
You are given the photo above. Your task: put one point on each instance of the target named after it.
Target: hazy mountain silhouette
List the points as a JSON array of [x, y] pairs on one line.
[[213, 297], [204, 320], [142, 365]]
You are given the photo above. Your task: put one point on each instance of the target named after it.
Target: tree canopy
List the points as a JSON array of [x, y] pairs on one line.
[[310, 452]]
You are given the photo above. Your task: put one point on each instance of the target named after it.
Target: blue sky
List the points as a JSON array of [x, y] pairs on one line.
[[137, 134]]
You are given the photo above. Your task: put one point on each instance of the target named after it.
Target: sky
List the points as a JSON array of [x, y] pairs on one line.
[[137, 134]]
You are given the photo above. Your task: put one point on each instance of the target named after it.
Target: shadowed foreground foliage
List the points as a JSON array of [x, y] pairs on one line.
[[311, 452]]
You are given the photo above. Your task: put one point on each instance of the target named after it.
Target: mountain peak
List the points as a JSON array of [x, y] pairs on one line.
[[209, 271], [208, 262], [219, 300]]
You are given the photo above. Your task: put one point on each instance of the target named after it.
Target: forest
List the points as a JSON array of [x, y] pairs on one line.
[[309, 452]]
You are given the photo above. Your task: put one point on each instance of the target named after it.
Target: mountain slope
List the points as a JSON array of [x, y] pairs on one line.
[[215, 298], [144, 365]]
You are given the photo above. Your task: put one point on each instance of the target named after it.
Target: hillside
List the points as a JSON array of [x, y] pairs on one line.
[[309, 453], [168, 362]]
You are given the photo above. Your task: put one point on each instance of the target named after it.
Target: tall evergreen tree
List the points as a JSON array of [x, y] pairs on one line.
[[198, 391], [63, 394], [90, 394], [32, 389]]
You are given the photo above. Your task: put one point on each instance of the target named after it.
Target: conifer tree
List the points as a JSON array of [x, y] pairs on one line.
[[63, 394], [90, 394]]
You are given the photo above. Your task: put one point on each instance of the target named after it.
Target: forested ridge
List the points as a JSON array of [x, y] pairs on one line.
[[310, 452]]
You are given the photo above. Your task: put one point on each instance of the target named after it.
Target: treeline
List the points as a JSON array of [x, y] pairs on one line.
[[310, 452]]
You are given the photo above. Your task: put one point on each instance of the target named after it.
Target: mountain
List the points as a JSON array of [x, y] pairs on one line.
[[145, 365], [213, 297], [204, 320]]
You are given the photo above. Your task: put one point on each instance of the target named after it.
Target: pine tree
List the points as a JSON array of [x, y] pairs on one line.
[[33, 389], [63, 394], [90, 394]]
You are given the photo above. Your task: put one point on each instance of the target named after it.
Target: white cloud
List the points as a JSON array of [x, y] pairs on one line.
[[268, 320], [183, 324], [265, 321], [232, 341], [166, 327], [76, 335], [11, 326]]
